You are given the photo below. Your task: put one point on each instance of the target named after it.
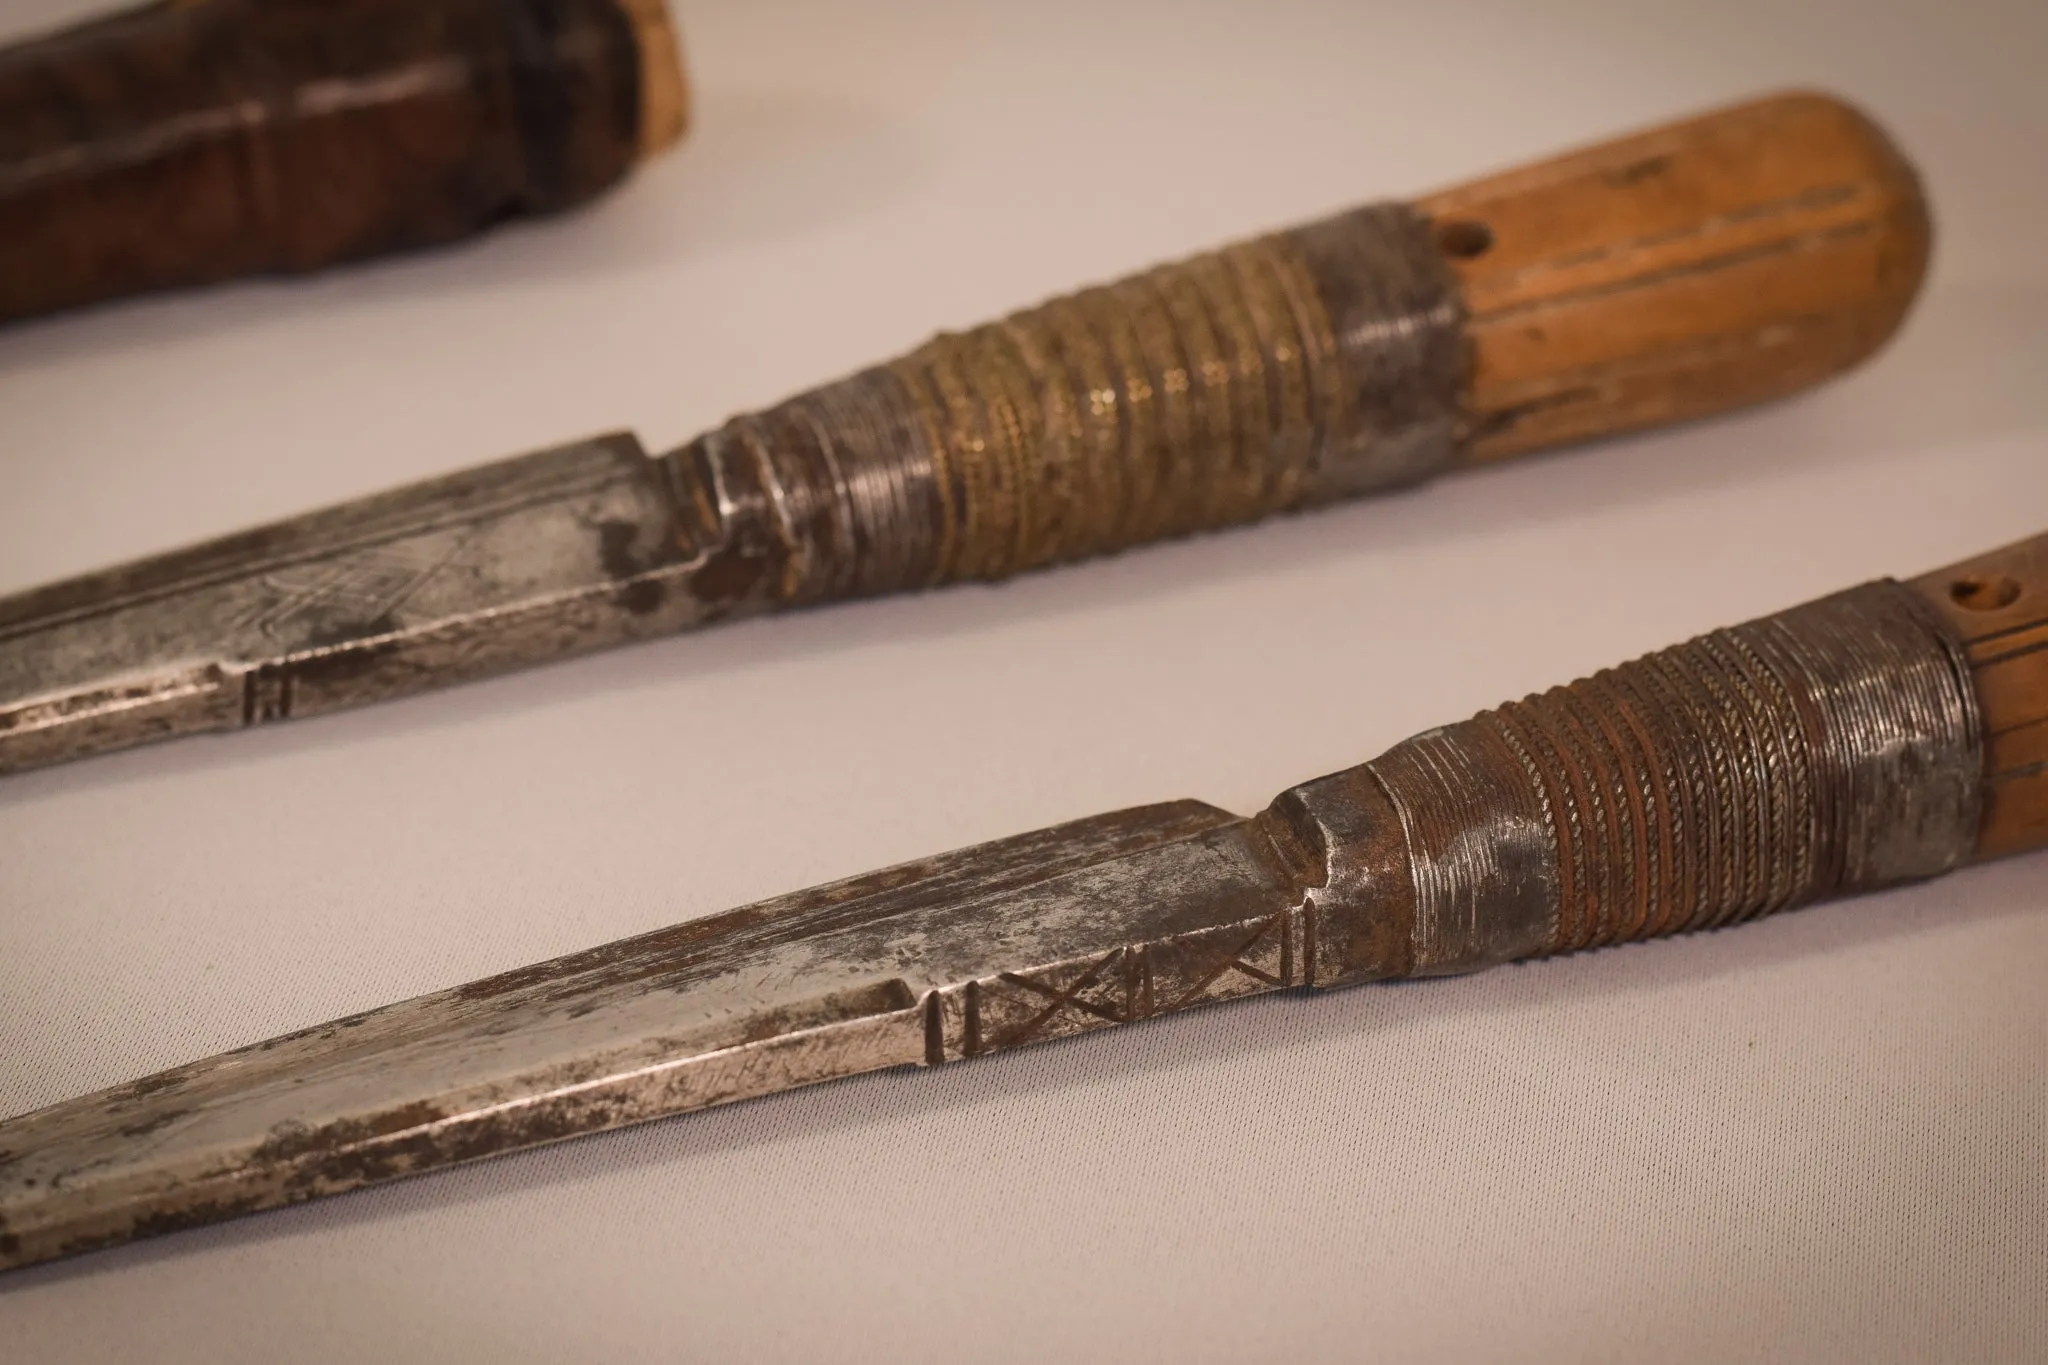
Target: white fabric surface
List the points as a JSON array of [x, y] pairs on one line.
[[1822, 1137]]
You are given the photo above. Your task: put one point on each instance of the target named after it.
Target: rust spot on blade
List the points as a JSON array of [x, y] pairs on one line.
[[292, 1142], [618, 549]]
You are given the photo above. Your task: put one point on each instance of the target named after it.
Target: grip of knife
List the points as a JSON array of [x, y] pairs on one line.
[[190, 141], [1706, 265], [1881, 734], [1731, 258]]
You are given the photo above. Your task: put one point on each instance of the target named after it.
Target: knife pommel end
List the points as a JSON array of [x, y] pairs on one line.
[[1709, 264]]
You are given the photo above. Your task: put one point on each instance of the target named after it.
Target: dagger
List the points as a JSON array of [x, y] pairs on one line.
[[1889, 732], [1671, 274]]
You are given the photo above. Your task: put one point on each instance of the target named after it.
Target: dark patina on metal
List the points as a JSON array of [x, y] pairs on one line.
[[1828, 749]]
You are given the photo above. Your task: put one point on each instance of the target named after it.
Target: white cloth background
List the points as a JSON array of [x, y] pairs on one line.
[[1822, 1137]]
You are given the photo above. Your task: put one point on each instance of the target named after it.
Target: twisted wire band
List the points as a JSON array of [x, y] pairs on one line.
[[1293, 368], [1832, 748]]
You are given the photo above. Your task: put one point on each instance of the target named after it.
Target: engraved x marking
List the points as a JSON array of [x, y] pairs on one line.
[[1063, 997], [377, 581], [1069, 996]]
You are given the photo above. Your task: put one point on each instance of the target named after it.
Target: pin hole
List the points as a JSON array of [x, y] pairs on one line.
[[1984, 592], [1464, 238]]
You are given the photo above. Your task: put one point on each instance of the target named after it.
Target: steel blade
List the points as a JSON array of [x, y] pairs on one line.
[[532, 558], [1098, 922]]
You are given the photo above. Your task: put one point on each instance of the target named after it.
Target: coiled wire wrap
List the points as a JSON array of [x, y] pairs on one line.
[[1827, 749], [1294, 368]]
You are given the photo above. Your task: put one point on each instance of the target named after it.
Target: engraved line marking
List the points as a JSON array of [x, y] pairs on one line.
[[1594, 380], [379, 581], [1233, 960], [2002, 632], [1308, 940], [1133, 964], [1647, 147], [934, 1029], [971, 1044], [1287, 948], [2020, 652], [2014, 729], [1061, 999]]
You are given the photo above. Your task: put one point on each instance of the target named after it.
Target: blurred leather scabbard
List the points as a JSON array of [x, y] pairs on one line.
[[190, 141]]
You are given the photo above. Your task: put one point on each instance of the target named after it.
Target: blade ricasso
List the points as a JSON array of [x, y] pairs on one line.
[[1342, 840]]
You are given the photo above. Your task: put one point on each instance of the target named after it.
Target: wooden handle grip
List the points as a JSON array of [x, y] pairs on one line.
[[1998, 606], [195, 140], [1667, 275], [1717, 262]]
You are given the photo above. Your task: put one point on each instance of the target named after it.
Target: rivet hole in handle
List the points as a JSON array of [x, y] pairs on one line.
[[1709, 264]]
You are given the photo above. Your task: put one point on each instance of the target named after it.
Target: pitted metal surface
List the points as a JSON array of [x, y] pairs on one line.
[[562, 550], [1101, 921]]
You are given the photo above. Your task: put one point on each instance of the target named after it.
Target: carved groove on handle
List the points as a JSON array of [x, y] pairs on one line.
[[1828, 749]]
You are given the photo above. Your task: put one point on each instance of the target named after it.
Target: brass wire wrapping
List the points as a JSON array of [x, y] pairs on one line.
[[1293, 368]]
